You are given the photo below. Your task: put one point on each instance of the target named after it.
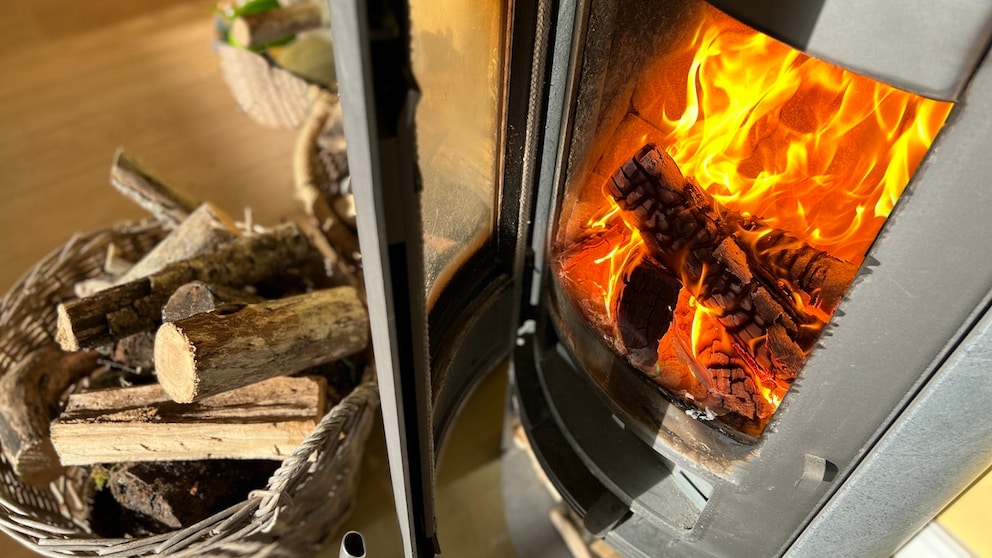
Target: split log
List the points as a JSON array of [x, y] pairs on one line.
[[211, 353], [266, 420], [753, 287], [92, 286], [137, 306], [29, 400], [204, 230], [198, 297], [168, 204], [115, 264], [171, 495], [260, 29]]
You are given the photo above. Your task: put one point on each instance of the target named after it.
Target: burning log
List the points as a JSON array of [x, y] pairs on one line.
[[644, 312], [137, 306], [142, 424], [771, 292], [211, 353], [29, 400]]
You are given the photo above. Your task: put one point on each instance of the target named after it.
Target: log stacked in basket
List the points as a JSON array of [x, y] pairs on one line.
[[220, 350]]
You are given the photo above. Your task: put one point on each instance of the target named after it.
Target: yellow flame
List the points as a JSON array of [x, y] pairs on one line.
[[802, 143], [770, 132]]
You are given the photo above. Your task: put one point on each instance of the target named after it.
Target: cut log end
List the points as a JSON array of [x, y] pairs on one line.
[[64, 334], [174, 352]]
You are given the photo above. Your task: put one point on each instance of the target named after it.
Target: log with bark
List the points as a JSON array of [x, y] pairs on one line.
[[135, 353], [163, 496], [214, 352], [204, 230], [771, 292], [29, 400], [266, 420], [198, 297], [137, 306], [168, 204], [644, 311]]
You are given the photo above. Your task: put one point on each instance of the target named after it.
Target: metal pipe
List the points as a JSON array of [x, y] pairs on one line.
[[352, 545]]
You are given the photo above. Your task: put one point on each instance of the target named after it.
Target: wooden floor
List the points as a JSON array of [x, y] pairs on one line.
[[81, 78]]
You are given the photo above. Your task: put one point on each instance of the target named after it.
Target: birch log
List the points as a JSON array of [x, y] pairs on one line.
[[212, 353], [29, 400], [263, 421], [137, 306]]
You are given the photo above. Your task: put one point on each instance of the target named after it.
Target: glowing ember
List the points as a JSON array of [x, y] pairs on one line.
[[803, 146]]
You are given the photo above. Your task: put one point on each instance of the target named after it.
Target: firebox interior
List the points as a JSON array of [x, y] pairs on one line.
[[722, 190]]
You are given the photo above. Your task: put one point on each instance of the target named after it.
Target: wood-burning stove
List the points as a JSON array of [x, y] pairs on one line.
[[887, 420]]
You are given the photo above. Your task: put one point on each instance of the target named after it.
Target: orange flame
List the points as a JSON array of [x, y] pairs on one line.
[[812, 148], [768, 131]]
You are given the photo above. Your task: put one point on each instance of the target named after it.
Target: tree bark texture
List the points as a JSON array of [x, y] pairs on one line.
[[171, 495], [198, 297], [137, 306], [263, 421], [204, 230], [772, 295], [211, 353]]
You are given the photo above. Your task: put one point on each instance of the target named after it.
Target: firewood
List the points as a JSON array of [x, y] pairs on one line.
[[266, 420], [168, 204], [136, 306], [198, 297], [115, 264], [342, 271], [170, 495], [29, 400], [644, 312], [211, 353], [753, 287], [310, 176], [136, 352], [262, 28], [204, 230], [93, 285]]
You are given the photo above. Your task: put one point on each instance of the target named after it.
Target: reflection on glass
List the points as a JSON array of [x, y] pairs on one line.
[[457, 50]]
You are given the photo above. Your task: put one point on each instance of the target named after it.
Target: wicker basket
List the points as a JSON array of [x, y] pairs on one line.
[[305, 500], [270, 95]]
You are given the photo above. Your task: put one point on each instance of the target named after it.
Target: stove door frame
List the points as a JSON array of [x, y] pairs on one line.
[[469, 330]]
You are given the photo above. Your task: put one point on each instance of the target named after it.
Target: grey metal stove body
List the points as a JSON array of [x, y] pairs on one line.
[[889, 419]]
